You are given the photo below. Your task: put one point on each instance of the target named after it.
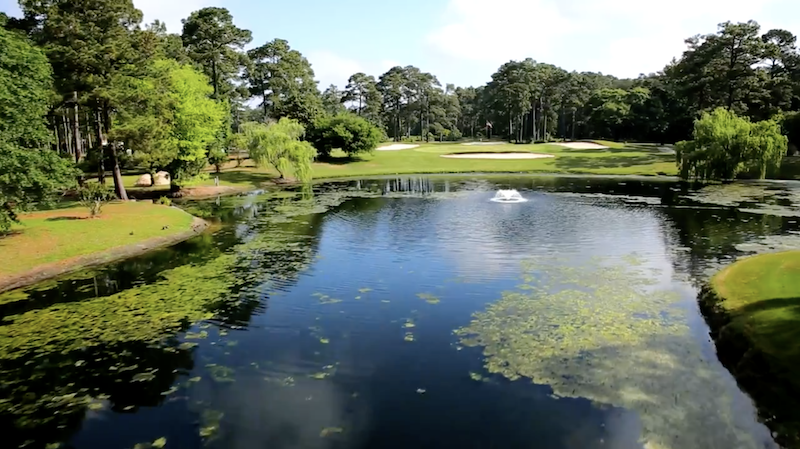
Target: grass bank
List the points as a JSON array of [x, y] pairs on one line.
[[49, 243], [753, 308]]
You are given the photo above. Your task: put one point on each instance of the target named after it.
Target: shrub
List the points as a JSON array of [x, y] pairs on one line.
[[347, 131], [164, 201], [94, 196]]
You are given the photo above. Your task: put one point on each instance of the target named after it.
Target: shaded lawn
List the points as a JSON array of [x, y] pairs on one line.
[[762, 293], [60, 235]]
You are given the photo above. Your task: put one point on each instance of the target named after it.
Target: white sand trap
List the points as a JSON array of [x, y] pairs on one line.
[[497, 156], [582, 145], [484, 143], [397, 147]]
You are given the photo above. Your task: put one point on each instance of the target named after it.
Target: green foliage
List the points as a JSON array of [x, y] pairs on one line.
[[333, 101], [29, 173], [278, 145], [362, 93], [217, 156], [164, 201], [346, 131], [198, 120], [167, 118], [726, 146], [94, 196], [25, 84], [214, 42], [284, 80], [791, 128]]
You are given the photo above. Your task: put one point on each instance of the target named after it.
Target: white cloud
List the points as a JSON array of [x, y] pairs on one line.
[[620, 37], [332, 68], [499, 30]]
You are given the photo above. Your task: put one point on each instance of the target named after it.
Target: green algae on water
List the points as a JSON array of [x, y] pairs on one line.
[[220, 374], [609, 333], [329, 431], [209, 424], [429, 298]]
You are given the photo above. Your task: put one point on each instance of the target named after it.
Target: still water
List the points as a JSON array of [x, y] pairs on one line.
[[398, 313]]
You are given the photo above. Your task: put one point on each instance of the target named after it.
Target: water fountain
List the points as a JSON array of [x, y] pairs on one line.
[[508, 196]]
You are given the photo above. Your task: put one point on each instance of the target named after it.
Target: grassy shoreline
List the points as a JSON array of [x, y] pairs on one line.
[[753, 310], [50, 243]]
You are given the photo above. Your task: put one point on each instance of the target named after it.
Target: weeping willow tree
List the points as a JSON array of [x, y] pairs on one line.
[[726, 146], [278, 145]]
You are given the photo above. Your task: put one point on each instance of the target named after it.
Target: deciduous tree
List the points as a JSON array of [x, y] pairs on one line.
[[29, 171], [278, 145]]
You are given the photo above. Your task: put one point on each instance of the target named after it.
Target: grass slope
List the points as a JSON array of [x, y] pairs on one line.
[[65, 234], [762, 296]]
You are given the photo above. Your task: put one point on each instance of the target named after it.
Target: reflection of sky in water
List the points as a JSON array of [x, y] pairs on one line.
[[376, 255]]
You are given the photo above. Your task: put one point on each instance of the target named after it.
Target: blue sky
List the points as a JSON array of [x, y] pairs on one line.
[[464, 41]]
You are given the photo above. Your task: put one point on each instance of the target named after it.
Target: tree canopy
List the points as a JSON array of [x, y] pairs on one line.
[[215, 44], [725, 145], [117, 85], [346, 131], [29, 171], [278, 145]]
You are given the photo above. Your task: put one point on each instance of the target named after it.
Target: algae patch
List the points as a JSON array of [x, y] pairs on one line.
[[610, 334]]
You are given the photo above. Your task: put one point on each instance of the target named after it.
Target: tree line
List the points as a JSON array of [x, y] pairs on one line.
[[103, 90]]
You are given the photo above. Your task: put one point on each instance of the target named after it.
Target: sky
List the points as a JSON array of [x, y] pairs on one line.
[[464, 41]]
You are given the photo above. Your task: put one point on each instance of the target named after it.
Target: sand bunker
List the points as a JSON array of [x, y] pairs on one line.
[[484, 143], [497, 156], [397, 147], [583, 145]]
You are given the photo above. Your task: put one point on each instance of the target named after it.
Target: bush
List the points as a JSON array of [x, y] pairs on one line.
[[216, 157], [164, 201], [347, 131], [94, 196]]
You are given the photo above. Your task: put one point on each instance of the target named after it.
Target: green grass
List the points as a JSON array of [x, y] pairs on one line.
[[64, 234], [426, 159], [762, 296], [619, 159]]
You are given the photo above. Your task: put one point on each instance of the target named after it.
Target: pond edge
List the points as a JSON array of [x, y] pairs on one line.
[[752, 369], [54, 269]]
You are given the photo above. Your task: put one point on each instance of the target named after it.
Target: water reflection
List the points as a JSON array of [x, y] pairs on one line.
[[289, 326]]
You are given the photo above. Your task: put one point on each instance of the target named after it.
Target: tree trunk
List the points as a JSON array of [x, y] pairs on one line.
[[544, 125], [101, 154], [119, 184], [76, 130], [533, 121], [88, 134], [214, 76], [264, 103], [510, 127], [573, 123]]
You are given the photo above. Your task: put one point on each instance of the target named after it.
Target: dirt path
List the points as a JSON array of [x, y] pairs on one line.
[[54, 269]]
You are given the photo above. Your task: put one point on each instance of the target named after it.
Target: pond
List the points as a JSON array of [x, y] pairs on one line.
[[396, 313]]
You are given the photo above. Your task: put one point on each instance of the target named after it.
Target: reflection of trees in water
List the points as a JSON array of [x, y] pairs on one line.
[[73, 344], [46, 401], [710, 236]]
